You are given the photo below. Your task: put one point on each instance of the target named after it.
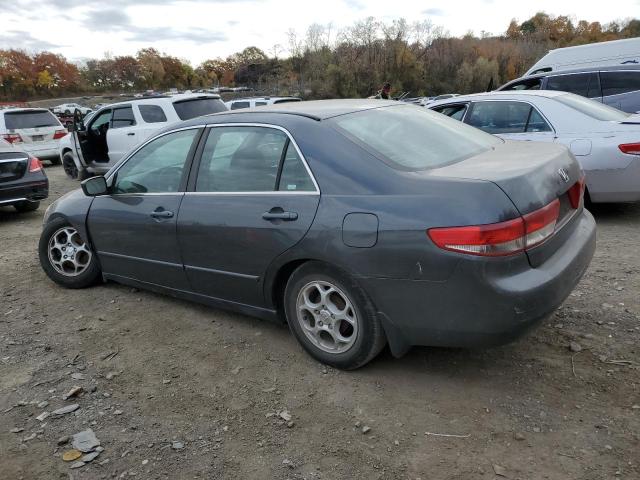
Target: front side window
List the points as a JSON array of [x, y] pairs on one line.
[[454, 111], [577, 83], [531, 84], [158, 167], [616, 83], [102, 118], [407, 137], [152, 113], [499, 117], [123, 117]]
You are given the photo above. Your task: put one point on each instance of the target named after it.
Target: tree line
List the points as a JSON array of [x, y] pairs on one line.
[[419, 57]]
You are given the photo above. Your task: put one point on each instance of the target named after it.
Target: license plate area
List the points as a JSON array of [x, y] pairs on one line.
[[37, 138]]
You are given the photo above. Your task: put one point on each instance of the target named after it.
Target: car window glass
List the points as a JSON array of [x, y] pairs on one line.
[[260, 104], [592, 108], [196, 107], [238, 105], [294, 176], [577, 83], [102, 118], [594, 86], [454, 111], [411, 138], [152, 113], [533, 84], [240, 159], [499, 117], [158, 166], [537, 123], [30, 119], [123, 117], [615, 83]]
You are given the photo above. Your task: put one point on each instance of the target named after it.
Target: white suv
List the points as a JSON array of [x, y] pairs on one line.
[[252, 102], [37, 131], [115, 129], [69, 108]]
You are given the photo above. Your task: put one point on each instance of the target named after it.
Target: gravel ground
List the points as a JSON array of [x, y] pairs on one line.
[[176, 390]]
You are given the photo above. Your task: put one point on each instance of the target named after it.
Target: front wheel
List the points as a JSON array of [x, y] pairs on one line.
[[332, 317], [66, 257]]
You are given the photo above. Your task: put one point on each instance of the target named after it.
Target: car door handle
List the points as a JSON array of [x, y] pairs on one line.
[[287, 216], [162, 214], [130, 134]]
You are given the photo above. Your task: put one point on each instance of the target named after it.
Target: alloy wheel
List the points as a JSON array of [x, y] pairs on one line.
[[68, 253]]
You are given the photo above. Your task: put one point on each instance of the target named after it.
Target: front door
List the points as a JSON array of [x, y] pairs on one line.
[[253, 198], [134, 227], [90, 140]]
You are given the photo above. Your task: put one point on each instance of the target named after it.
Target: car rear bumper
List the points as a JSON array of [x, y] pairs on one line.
[[42, 151], [24, 190], [486, 301], [615, 185]]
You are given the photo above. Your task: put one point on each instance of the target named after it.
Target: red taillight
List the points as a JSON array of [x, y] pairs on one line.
[[59, 134], [576, 192], [35, 165], [12, 138], [498, 239], [630, 148]]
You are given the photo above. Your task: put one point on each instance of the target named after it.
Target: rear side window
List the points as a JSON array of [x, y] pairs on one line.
[[615, 83], [260, 104], [196, 107], [412, 138], [152, 113], [577, 83], [239, 105], [30, 119], [500, 117], [123, 117], [454, 111], [591, 108], [294, 176]]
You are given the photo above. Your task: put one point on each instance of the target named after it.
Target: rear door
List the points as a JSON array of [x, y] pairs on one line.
[[252, 199], [122, 134], [510, 119], [134, 227]]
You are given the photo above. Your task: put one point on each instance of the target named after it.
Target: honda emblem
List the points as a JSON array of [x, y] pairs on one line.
[[564, 175]]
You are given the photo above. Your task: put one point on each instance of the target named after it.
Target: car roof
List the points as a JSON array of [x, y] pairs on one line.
[[163, 98], [575, 70], [316, 109], [268, 97], [24, 109], [498, 94]]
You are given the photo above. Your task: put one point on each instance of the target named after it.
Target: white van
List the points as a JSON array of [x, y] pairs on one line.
[[603, 54]]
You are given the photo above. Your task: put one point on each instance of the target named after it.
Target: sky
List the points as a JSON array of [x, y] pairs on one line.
[[196, 30]]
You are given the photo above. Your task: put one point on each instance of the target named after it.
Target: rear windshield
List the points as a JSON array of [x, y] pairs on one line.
[[197, 107], [591, 108], [30, 119], [413, 138]]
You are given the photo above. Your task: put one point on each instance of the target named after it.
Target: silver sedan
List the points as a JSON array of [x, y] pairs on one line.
[[604, 140]]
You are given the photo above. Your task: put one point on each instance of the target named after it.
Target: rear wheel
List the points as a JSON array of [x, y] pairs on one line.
[[65, 256], [332, 317], [26, 206]]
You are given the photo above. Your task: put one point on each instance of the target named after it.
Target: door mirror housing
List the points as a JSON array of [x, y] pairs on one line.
[[95, 186]]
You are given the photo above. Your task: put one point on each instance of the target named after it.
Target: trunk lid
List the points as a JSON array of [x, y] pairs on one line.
[[532, 175], [13, 166]]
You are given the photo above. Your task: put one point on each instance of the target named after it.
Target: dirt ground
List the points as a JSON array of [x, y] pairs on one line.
[[156, 370]]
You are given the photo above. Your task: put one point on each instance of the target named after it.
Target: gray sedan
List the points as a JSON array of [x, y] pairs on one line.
[[359, 223], [605, 141]]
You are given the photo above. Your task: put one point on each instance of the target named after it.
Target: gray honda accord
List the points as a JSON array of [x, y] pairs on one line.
[[360, 223]]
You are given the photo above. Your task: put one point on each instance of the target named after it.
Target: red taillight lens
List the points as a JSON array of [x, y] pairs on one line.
[[498, 239], [35, 165], [630, 148], [12, 138], [59, 134], [577, 192]]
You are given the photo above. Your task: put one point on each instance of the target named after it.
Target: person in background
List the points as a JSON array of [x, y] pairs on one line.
[[385, 93]]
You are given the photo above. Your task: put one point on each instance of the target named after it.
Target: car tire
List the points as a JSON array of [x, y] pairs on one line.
[[67, 112], [81, 269], [344, 330], [69, 166], [23, 207]]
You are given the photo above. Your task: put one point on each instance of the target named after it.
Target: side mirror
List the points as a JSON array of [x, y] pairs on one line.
[[94, 186]]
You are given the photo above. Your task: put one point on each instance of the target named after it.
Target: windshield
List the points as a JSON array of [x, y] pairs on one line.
[[413, 138], [591, 108], [196, 107], [30, 119]]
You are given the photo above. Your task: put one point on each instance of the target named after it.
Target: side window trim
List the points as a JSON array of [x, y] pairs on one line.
[[195, 164], [113, 174]]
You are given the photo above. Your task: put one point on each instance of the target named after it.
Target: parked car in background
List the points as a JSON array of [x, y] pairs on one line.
[[69, 108], [360, 222], [258, 102], [616, 86], [117, 128], [37, 131], [601, 54], [23, 182], [428, 100], [605, 141]]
